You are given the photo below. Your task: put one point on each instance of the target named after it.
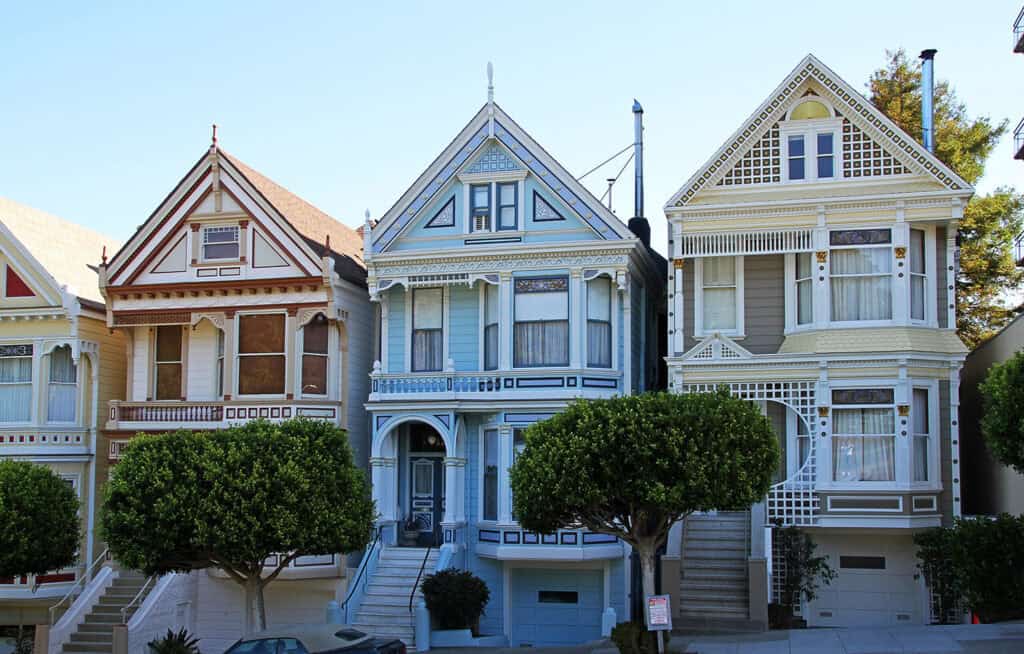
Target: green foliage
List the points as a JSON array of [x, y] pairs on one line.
[[802, 570], [631, 466], [634, 638], [175, 643], [39, 518], [935, 553], [981, 559], [455, 598], [990, 222], [1002, 421]]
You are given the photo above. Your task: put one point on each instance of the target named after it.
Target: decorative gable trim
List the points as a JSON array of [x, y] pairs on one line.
[[854, 106], [493, 160], [445, 216], [544, 212], [717, 347]]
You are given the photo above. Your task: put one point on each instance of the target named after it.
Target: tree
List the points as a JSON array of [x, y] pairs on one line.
[[231, 499], [39, 514], [632, 466], [990, 222], [801, 569], [1002, 418]]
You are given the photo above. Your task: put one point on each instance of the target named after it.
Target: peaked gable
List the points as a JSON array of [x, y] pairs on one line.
[[872, 144]]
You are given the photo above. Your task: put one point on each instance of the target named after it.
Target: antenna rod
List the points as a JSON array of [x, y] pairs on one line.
[[611, 183]]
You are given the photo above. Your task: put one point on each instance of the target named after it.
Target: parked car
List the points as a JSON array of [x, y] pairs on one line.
[[316, 639]]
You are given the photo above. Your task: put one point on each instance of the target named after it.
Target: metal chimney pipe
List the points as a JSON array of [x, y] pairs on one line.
[[928, 99], [638, 159]]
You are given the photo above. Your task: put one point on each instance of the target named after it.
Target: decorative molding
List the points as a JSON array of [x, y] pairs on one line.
[[445, 216], [489, 263], [543, 212]]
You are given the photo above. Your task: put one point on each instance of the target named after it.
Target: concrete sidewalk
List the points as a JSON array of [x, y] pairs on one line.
[[1005, 638]]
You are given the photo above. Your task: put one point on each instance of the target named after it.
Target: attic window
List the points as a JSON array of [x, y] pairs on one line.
[[220, 243]]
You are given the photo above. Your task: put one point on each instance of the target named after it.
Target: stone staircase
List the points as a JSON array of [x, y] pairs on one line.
[[385, 611], [95, 634], [714, 592]]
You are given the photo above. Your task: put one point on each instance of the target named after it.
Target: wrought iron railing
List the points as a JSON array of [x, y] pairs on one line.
[[372, 552], [78, 587], [419, 575], [137, 600]]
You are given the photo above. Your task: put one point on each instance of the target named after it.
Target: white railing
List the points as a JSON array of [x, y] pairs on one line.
[[794, 501], [569, 381], [171, 414], [130, 606], [80, 583], [767, 241]]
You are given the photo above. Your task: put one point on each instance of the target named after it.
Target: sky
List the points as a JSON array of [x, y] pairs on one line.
[[105, 106]]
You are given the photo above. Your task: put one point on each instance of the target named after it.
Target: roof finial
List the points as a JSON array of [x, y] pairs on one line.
[[104, 255], [213, 142], [327, 245], [490, 83]]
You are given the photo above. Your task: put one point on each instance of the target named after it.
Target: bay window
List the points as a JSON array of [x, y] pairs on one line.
[[261, 354], [861, 275], [427, 329], [922, 434], [490, 482], [314, 356], [167, 361], [541, 323], [863, 435], [718, 299], [804, 273], [62, 393], [599, 323], [220, 243], [918, 275], [492, 313], [15, 383]]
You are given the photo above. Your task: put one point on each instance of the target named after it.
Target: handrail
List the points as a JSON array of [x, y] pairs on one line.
[[80, 582], [124, 611], [415, 586], [362, 568]]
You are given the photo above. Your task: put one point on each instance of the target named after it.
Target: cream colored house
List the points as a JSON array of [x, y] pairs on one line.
[[59, 367]]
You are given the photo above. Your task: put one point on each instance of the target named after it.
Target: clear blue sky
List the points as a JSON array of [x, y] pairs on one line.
[[105, 106]]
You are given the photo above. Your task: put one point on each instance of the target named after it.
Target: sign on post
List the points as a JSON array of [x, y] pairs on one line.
[[659, 617]]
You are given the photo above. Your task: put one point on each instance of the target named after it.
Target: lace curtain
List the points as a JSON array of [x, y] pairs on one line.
[[863, 444], [62, 387], [15, 389], [862, 284]]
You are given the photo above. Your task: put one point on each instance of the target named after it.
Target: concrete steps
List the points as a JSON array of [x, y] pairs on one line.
[[385, 611], [714, 591], [95, 633]]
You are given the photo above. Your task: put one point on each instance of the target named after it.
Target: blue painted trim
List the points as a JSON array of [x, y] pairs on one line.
[[570, 382], [489, 536], [443, 417], [491, 241], [549, 539], [538, 198], [431, 224], [511, 537], [540, 382], [530, 538], [568, 538], [597, 382], [381, 420], [598, 539], [500, 206]]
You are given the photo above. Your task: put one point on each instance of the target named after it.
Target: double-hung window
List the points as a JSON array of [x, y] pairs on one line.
[[863, 435], [508, 205], [427, 329], [490, 490], [220, 243], [15, 383], [804, 278], [797, 156], [314, 356], [167, 361], [861, 274], [502, 198], [541, 331], [492, 313], [62, 394], [810, 141], [480, 207], [918, 275], [599, 323], [719, 295], [922, 434], [261, 354]]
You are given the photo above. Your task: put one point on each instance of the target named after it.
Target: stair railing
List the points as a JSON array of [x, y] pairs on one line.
[[137, 599], [362, 569], [415, 586], [79, 584]]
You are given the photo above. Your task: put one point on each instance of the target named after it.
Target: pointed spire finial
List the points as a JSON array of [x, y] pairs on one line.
[[367, 214], [104, 255], [213, 139], [327, 245], [490, 82]]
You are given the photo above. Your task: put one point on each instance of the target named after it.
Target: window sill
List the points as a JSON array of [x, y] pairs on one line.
[[733, 335], [217, 262]]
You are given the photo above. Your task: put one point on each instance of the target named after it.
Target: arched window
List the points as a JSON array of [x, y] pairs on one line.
[[62, 395], [810, 135], [314, 356]]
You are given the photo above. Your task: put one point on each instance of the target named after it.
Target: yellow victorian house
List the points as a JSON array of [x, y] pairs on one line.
[[59, 365]]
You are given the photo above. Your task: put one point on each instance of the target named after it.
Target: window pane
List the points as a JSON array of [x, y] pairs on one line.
[[864, 421], [480, 197], [314, 336], [917, 251], [861, 261], [491, 347], [61, 402], [861, 298], [220, 234], [921, 458], [507, 194], [261, 333], [542, 298], [796, 146], [261, 375], [62, 366], [796, 168], [863, 458], [168, 381], [824, 144], [825, 167], [804, 302], [15, 389], [168, 343], [507, 216], [220, 251], [917, 291], [803, 265], [15, 369], [599, 299], [492, 308], [314, 374], [599, 344], [427, 351], [719, 271], [490, 474], [541, 343], [719, 308], [427, 307], [921, 411]]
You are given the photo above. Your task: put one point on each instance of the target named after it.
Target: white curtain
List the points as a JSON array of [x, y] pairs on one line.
[[599, 325], [62, 387], [492, 313], [15, 389], [918, 279], [541, 332], [427, 335], [719, 299], [804, 289], [921, 434], [862, 284], [863, 444]]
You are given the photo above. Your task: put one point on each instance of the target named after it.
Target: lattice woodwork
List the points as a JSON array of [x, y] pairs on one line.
[[761, 165], [864, 157]]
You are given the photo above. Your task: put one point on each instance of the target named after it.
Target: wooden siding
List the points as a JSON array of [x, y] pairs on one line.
[[945, 455], [465, 331], [764, 303]]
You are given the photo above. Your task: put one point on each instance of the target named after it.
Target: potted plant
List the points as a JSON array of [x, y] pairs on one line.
[[181, 642], [410, 529], [455, 599], [801, 572]]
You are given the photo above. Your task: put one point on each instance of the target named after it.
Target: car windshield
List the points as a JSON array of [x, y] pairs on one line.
[[269, 646]]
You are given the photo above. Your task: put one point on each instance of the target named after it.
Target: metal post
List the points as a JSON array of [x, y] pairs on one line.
[[928, 99], [611, 183]]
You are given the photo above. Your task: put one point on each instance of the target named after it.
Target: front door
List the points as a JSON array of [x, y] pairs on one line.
[[427, 496]]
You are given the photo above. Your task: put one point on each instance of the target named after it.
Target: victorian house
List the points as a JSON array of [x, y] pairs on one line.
[[59, 366], [503, 290], [813, 271]]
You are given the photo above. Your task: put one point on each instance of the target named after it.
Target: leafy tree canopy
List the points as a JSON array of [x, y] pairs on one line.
[[230, 499], [990, 222], [1002, 421], [39, 518]]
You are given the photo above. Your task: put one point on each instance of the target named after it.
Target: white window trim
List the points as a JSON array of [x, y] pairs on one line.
[[34, 387], [482, 349], [181, 362], [896, 311], [493, 179], [332, 346], [931, 316], [236, 356], [613, 306], [482, 438], [445, 330], [698, 302], [934, 482], [202, 243], [790, 294], [809, 129], [78, 388]]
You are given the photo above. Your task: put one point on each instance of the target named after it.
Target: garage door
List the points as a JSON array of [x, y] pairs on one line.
[[555, 607], [875, 585]]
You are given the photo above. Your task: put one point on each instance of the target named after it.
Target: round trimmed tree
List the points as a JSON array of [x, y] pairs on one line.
[[230, 499], [1002, 421], [39, 514], [632, 466]]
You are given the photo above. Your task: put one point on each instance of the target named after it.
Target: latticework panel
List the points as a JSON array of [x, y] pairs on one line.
[[797, 395], [760, 165], [864, 157]]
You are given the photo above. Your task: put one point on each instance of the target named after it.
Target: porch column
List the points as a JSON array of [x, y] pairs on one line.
[[382, 474], [454, 491], [504, 463]]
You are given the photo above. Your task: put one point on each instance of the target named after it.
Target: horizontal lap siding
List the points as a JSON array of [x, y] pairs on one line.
[[396, 330], [464, 337], [764, 303]]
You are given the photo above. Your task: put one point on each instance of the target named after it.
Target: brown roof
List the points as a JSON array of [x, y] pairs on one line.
[[70, 253], [312, 223]]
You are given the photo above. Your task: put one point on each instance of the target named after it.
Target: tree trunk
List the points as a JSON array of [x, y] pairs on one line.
[[646, 552], [252, 589], [261, 607]]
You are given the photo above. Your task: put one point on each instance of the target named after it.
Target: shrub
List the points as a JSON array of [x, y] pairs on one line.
[[1002, 420], [175, 643], [634, 638], [801, 570], [455, 598]]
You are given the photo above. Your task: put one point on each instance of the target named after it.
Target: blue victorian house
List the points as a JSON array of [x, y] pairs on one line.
[[503, 290]]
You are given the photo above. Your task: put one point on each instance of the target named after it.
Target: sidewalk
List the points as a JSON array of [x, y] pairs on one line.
[[1004, 638]]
